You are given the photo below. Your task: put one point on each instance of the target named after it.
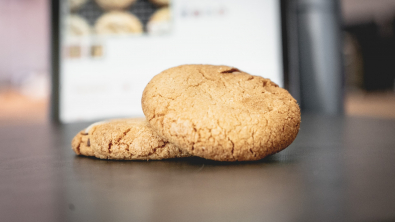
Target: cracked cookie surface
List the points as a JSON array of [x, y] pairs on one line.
[[124, 139], [221, 113]]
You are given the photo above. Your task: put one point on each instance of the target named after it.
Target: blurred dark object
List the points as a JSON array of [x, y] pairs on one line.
[[370, 45], [353, 64], [316, 54], [377, 48]]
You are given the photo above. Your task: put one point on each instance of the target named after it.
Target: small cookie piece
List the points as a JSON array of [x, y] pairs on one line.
[[77, 26], [160, 3], [114, 4], [124, 139], [220, 112], [76, 4], [117, 22], [159, 22]]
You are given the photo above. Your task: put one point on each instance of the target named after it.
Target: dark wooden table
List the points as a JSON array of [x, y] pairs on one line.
[[338, 169]]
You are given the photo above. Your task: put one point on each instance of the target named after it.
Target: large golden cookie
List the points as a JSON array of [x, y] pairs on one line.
[[124, 139], [221, 113]]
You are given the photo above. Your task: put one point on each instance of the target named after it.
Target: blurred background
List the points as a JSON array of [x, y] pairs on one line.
[[368, 50]]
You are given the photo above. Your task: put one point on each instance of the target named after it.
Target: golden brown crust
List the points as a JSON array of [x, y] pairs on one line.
[[124, 139], [80, 144], [221, 113]]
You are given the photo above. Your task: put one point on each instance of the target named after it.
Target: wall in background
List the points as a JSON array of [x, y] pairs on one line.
[[24, 39]]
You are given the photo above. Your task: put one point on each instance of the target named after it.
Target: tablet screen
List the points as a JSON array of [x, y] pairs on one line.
[[110, 49]]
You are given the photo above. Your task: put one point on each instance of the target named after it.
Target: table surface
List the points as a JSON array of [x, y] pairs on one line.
[[337, 169]]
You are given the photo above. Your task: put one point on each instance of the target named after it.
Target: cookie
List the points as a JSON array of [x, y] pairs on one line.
[[76, 4], [124, 139], [160, 3], [77, 26], [159, 22], [118, 22], [114, 4], [221, 113]]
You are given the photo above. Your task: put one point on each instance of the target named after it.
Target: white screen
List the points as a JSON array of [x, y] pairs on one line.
[[245, 34]]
